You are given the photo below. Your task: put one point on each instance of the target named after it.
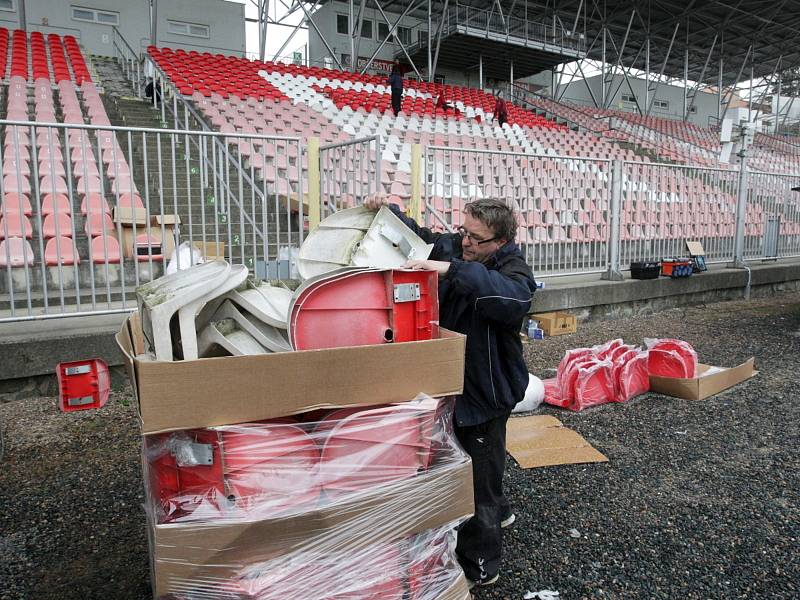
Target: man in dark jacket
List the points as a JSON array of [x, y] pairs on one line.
[[396, 85], [485, 291]]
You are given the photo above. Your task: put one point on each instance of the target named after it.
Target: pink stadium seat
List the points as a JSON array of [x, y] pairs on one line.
[[94, 204], [98, 224], [56, 203], [57, 225], [16, 203], [14, 184], [127, 200], [61, 250], [105, 249], [15, 225], [16, 252], [13, 167], [88, 185], [53, 184]]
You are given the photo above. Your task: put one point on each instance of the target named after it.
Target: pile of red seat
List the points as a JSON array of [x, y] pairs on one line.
[[616, 372], [79, 67]]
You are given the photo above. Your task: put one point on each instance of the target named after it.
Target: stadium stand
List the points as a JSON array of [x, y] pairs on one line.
[[42, 175]]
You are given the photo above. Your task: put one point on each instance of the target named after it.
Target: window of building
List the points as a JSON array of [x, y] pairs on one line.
[[404, 34], [366, 29], [7, 5], [628, 99], [422, 37], [93, 15], [193, 29], [383, 31], [342, 24], [662, 104]]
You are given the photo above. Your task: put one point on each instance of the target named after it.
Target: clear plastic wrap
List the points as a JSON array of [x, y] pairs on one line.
[[354, 504]]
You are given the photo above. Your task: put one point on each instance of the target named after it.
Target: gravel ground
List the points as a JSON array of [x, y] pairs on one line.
[[698, 499]]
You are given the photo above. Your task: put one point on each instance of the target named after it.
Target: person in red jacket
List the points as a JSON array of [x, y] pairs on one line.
[[500, 109]]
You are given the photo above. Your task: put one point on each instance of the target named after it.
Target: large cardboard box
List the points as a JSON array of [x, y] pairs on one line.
[[239, 389], [135, 222], [188, 552], [556, 323], [710, 380]]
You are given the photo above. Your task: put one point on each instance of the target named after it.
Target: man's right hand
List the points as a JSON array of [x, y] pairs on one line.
[[375, 202]]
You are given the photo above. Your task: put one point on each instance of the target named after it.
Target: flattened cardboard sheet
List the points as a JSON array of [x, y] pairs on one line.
[[543, 441]]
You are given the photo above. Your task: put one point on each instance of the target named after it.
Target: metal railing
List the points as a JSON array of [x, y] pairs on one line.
[[490, 23], [129, 60], [585, 215], [79, 233], [349, 172], [562, 203]]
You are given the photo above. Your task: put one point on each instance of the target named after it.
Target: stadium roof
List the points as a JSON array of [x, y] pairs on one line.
[[713, 29]]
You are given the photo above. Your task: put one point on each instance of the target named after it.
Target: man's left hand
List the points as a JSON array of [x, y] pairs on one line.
[[439, 266]]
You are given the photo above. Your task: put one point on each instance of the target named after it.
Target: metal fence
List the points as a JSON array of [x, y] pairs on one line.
[[349, 173], [562, 202], [87, 213], [583, 215]]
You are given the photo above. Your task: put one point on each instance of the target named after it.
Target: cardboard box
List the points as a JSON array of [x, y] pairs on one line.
[[211, 250], [135, 221], [706, 384], [239, 389], [203, 552], [556, 323]]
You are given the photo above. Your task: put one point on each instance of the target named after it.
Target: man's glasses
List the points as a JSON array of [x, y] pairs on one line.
[[472, 238]]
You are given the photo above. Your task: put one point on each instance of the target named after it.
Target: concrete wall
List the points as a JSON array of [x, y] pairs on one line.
[[225, 21], [706, 103]]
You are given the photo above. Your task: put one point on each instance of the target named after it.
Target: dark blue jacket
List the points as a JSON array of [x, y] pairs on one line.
[[396, 81], [487, 303]]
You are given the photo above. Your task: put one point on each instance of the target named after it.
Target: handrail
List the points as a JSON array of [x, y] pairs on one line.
[[176, 95], [118, 34]]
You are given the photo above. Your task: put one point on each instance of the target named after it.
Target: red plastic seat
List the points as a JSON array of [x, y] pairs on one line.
[[56, 203], [15, 225], [94, 204], [98, 224], [61, 250], [16, 203], [105, 249], [57, 225], [16, 252]]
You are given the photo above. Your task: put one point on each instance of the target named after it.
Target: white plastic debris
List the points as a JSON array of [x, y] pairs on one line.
[[574, 533], [541, 595], [534, 395], [183, 257]]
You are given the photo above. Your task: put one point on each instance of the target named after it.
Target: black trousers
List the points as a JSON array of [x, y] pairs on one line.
[[397, 101], [480, 539]]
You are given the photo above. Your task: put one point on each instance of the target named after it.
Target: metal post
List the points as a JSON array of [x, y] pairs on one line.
[[613, 273], [603, 71], [647, 70], [778, 102], [351, 26], [430, 54], [719, 89], [313, 183], [415, 207], [741, 213], [480, 72], [686, 75], [511, 75]]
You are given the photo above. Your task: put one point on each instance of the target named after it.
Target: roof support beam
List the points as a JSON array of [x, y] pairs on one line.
[[320, 34], [663, 66], [733, 87], [297, 28], [392, 29], [700, 79], [444, 18]]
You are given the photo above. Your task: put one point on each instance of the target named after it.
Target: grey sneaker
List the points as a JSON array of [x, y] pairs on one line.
[[508, 521], [484, 582]]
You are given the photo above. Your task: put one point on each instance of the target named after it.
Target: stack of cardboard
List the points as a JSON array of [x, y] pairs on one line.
[[324, 474]]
